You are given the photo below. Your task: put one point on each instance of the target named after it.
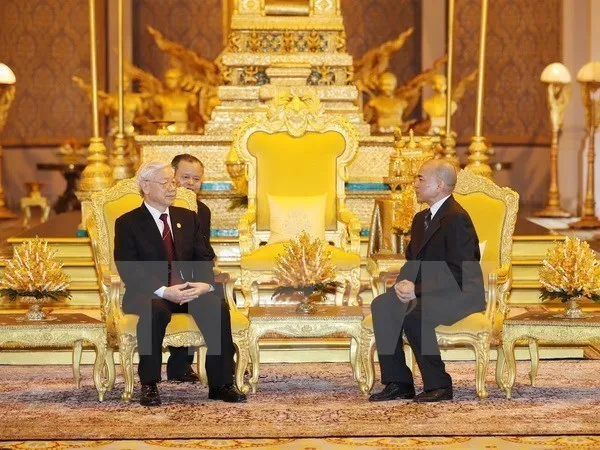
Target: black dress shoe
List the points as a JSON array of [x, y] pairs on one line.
[[227, 393], [188, 377], [435, 395], [150, 395], [393, 391]]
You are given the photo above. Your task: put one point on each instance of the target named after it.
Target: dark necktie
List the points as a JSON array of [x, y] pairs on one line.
[[167, 239], [427, 220]]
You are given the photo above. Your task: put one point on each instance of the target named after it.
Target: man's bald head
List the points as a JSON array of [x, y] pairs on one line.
[[436, 180]]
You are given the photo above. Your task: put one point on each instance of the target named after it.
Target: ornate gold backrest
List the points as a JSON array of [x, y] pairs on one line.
[[295, 149], [493, 210], [112, 203], [287, 7]]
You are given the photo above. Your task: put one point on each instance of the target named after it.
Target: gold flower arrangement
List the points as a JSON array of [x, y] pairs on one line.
[[33, 272], [305, 266], [570, 270]]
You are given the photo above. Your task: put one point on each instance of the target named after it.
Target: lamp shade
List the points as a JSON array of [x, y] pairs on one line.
[[590, 73], [556, 73], [7, 76]]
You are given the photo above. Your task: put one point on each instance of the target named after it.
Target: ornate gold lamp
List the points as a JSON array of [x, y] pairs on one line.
[[7, 96], [97, 175], [557, 79], [478, 158], [589, 77]]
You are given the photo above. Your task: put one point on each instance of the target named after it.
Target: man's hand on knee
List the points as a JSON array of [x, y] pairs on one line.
[[405, 290], [180, 293]]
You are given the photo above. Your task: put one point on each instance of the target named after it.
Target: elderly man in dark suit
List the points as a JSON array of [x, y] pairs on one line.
[[161, 256], [440, 283]]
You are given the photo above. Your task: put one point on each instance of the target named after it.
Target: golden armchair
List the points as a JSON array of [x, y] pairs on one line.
[[494, 213], [293, 153], [182, 331]]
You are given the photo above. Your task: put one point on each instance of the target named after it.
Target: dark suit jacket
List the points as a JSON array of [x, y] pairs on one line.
[[444, 265], [141, 258], [205, 217]]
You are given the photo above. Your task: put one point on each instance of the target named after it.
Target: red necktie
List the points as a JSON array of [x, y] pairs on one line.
[[167, 237]]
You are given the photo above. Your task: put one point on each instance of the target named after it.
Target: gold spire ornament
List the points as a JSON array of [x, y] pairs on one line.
[[35, 276], [557, 79], [589, 77], [478, 158], [97, 175], [121, 161], [7, 96]]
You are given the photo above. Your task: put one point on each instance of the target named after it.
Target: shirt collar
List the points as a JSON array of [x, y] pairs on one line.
[[156, 213], [437, 205]]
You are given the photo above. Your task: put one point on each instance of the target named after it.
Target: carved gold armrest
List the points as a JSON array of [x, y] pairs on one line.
[[353, 226], [227, 281], [499, 282], [113, 286], [245, 230]]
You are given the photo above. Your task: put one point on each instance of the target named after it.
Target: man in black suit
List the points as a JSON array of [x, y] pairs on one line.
[[440, 283], [161, 257], [189, 172]]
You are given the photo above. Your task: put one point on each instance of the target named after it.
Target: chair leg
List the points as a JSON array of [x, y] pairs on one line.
[[126, 349], [354, 349], [534, 355], [500, 367], [482, 356], [77, 351], [110, 368], [367, 360], [243, 358], [201, 365]]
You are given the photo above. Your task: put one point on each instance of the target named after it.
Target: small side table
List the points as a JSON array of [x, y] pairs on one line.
[[68, 201], [67, 330], [284, 320], [544, 327]]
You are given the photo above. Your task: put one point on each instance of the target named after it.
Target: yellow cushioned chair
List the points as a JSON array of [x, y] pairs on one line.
[[182, 331], [296, 152], [494, 213]]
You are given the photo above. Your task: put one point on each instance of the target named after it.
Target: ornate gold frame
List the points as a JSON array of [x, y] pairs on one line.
[[112, 288], [499, 284], [297, 111]]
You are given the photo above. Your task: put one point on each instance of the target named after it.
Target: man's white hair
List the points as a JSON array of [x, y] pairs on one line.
[[148, 169]]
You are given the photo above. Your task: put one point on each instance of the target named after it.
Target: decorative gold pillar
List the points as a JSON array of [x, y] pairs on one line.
[[589, 77], [121, 162], [478, 158], [97, 175], [449, 141], [7, 95], [557, 79]]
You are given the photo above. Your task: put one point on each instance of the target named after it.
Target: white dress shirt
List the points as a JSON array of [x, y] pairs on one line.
[[437, 205]]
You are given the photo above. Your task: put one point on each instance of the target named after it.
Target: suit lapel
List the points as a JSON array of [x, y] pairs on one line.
[[434, 226], [176, 224], [150, 229]]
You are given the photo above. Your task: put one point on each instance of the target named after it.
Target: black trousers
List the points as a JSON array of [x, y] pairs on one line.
[[391, 318], [210, 313]]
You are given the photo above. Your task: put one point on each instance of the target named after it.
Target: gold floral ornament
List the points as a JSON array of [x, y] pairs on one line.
[[306, 267], [35, 276], [569, 271]]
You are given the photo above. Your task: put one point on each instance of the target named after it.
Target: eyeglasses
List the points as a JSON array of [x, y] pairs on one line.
[[165, 184]]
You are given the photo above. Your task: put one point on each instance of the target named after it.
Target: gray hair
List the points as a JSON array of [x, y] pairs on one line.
[[148, 169], [444, 171]]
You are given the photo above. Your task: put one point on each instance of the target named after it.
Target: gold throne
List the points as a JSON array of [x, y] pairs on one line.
[[182, 331], [296, 165], [494, 213]]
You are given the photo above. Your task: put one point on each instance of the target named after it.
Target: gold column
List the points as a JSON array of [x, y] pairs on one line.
[[8, 90], [557, 79], [97, 175], [121, 162], [449, 142], [478, 159], [589, 77]]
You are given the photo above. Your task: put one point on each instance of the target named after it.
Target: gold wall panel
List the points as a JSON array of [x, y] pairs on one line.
[[196, 24], [45, 42], [370, 23], [523, 37]]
